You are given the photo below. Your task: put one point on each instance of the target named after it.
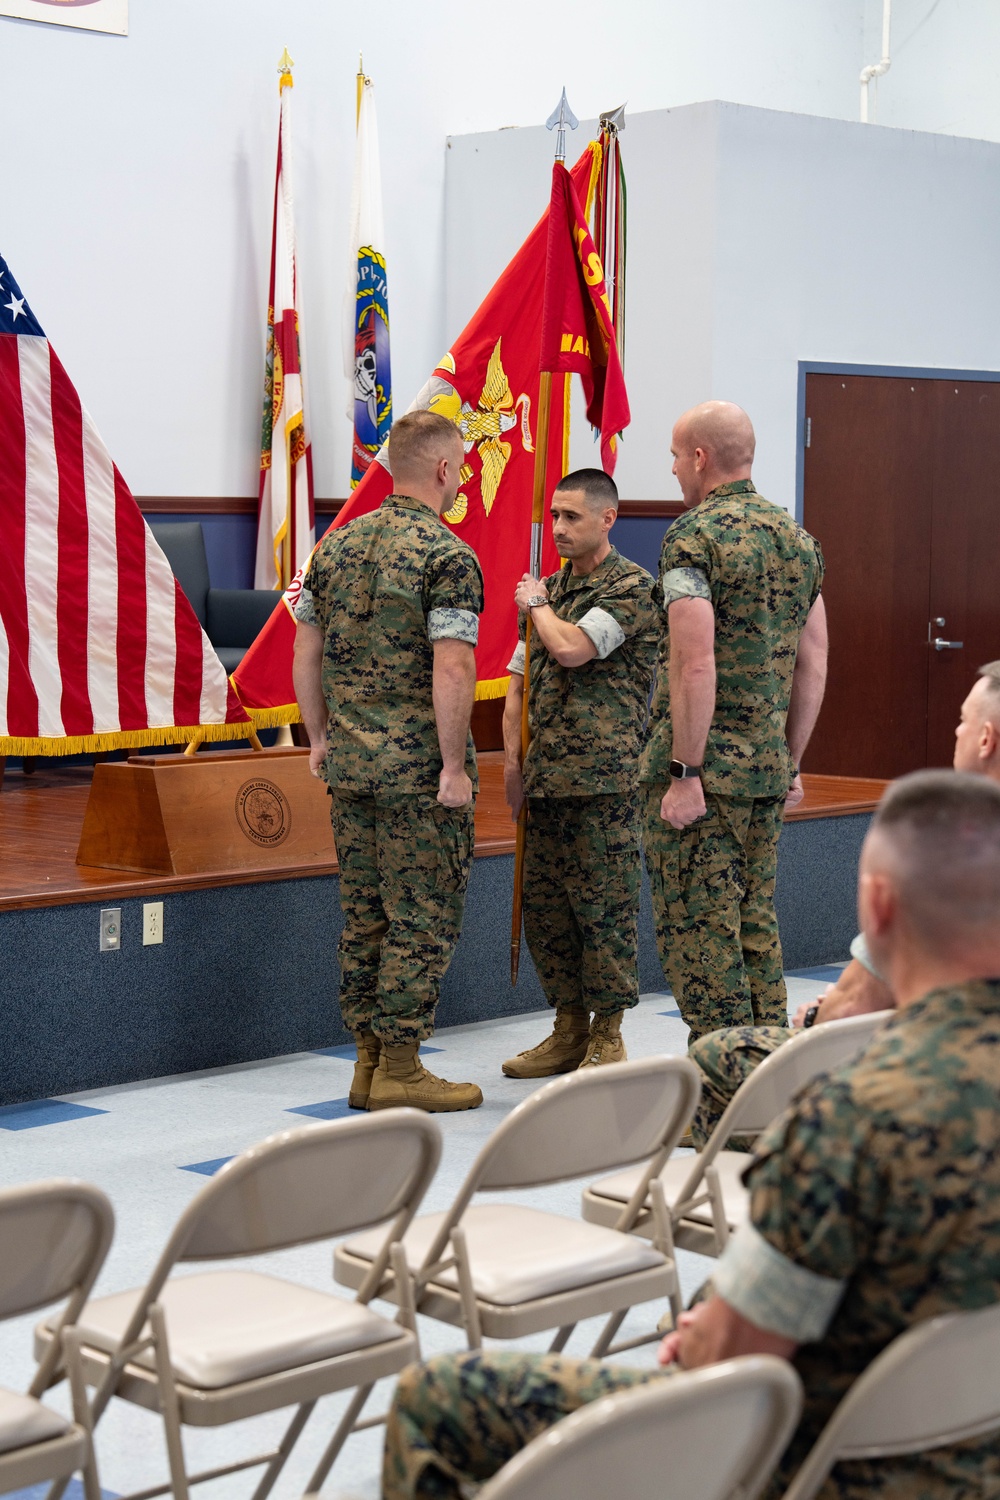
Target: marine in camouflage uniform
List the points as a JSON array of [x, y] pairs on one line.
[[383, 589], [712, 883], [874, 1204], [582, 867]]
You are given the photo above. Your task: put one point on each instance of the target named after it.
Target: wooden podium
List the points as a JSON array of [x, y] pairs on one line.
[[220, 811]]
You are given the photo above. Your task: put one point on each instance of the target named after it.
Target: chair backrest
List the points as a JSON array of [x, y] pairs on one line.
[[311, 1184], [183, 544], [53, 1240], [708, 1434], [590, 1121], [806, 1054], [937, 1383]]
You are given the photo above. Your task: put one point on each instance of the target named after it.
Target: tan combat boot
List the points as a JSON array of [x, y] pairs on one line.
[[605, 1045], [369, 1047], [562, 1051], [401, 1078]]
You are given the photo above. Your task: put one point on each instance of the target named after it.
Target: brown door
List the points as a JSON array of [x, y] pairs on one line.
[[902, 489]]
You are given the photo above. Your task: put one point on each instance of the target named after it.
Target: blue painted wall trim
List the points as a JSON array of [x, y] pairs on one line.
[[893, 372]]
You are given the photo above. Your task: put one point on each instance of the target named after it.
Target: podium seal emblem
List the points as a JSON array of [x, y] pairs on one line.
[[263, 813]]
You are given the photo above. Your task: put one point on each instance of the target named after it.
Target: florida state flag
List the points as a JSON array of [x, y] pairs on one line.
[[487, 383], [577, 326]]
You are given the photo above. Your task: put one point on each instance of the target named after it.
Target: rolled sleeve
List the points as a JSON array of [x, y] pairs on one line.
[[603, 630], [516, 663], [772, 1292], [859, 950], [304, 608], [684, 583], [453, 625]]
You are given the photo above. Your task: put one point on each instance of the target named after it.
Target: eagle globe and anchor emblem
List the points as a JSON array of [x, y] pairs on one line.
[[263, 812]]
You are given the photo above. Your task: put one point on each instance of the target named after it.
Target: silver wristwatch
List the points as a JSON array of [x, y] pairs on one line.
[[536, 600]]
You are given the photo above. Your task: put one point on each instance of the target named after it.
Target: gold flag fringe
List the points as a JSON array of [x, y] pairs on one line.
[[120, 739], [289, 713]]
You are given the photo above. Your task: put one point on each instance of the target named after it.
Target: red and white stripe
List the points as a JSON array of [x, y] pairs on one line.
[[96, 637]]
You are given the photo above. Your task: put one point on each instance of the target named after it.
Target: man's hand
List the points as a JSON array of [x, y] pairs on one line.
[[856, 993], [527, 589], [317, 755], [454, 789], [669, 1350], [795, 794], [684, 803], [513, 790]]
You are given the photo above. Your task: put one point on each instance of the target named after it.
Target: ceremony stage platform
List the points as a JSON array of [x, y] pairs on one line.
[[248, 968]]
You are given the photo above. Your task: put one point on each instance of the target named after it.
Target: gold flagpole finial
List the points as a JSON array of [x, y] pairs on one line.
[[285, 66], [362, 80]]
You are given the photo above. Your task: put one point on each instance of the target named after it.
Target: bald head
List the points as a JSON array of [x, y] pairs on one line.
[[712, 444], [930, 871]]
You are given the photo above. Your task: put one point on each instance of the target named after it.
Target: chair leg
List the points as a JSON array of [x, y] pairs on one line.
[[291, 1437], [169, 1405], [561, 1339], [719, 1221], [607, 1333], [470, 1307], [344, 1429], [81, 1410], [663, 1240]]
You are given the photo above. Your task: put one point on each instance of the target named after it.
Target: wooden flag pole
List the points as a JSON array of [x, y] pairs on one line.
[[535, 568], [561, 119]]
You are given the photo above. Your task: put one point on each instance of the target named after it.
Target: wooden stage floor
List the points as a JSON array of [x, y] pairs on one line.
[[41, 817]]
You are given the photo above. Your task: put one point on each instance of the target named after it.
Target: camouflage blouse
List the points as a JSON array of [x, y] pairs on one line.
[[762, 574], [383, 589], [588, 723], [881, 1186]]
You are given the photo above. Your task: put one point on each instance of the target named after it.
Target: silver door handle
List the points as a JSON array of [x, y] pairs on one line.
[[940, 645]]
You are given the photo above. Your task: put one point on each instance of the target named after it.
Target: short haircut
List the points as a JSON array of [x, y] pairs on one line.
[[418, 441], [991, 672], [599, 489], [939, 833]]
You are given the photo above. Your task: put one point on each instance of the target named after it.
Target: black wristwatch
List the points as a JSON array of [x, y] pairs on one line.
[[809, 1019], [681, 772]]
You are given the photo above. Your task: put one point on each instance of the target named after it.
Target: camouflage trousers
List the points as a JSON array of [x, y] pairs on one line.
[[460, 1417], [582, 879], [725, 1059], [712, 886], [404, 868]]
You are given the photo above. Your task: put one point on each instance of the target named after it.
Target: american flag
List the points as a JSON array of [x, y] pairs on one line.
[[99, 648]]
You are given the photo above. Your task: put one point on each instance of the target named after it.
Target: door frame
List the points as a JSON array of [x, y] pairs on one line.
[[897, 372]]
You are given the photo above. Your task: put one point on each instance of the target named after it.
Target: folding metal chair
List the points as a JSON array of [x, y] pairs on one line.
[[711, 1434], [705, 1194], [53, 1240], [505, 1270], [937, 1383], [215, 1347]]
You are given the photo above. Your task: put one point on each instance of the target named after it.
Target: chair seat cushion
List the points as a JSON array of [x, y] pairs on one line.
[[24, 1421], [519, 1254], [730, 1166], [225, 1327]]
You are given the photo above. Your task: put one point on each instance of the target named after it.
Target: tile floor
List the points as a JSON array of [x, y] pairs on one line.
[[148, 1145]]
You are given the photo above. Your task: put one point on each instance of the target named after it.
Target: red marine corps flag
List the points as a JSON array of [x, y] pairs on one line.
[[487, 384]]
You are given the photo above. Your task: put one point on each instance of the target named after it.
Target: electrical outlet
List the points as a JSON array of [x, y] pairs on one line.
[[111, 928], [152, 922]]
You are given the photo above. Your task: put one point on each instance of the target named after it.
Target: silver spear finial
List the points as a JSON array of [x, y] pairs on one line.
[[561, 118], [614, 120]]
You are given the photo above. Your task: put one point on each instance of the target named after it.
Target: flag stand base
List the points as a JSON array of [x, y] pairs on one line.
[[210, 814]]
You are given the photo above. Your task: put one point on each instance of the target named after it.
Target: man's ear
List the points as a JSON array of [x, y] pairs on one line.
[[877, 903], [989, 740]]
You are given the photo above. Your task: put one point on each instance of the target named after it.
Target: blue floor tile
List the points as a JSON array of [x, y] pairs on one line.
[[73, 1491], [327, 1109], [831, 972], [207, 1168], [672, 1013], [43, 1112], [349, 1053]]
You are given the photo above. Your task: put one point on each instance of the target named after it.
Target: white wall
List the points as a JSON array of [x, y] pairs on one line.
[[759, 239], [944, 74], [138, 176]]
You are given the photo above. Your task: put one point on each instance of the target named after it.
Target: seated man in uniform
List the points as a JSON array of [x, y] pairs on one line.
[[727, 1058], [874, 1199]]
